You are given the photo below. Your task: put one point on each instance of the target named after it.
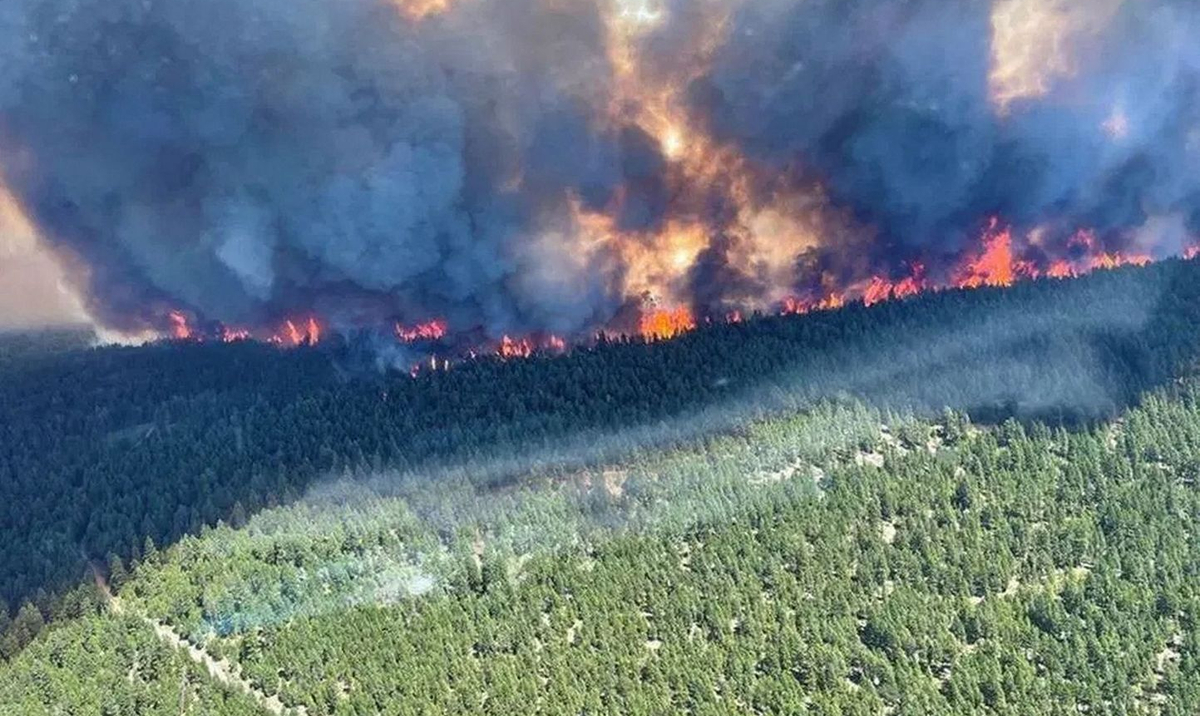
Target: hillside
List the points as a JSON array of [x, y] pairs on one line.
[[833, 510], [840, 561]]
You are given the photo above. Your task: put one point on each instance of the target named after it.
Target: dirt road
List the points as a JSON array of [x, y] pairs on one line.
[[219, 669]]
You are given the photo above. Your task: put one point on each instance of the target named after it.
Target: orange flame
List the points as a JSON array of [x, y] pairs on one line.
[[180, 328], [514, 348], [995, 266], [233, 335], [999, 262], [881, 289], [298, 334], [798, 307], [661, 325], [429, 331]]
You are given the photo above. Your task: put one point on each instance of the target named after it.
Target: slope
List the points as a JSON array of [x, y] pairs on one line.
[[843, 560]]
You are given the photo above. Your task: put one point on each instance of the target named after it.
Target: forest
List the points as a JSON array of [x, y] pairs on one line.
[[970, 501]]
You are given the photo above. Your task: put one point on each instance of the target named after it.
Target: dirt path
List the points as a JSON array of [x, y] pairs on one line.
[[219, 669]]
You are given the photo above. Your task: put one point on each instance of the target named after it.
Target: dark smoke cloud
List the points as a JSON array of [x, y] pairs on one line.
[[889, 104], [250, 158]]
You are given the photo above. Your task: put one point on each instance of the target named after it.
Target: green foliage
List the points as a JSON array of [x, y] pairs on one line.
[[709, 525], [104, 448], [112, 665], [774, 570]]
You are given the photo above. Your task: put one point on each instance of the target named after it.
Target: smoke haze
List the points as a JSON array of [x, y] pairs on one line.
[[33, 289], [532, 166]]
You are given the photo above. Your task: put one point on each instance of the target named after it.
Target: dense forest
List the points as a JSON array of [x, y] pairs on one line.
[[838, 560], [766, 516]]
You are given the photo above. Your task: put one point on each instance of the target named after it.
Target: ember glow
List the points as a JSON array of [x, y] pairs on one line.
[[233, 335], [659, 325], [995, 265], [296, 332], [518, 176], [429, 331], [514, 348], [881, 289], [181, 330]]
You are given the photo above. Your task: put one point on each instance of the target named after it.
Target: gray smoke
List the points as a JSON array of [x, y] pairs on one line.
[[890, 104], [247, 160]]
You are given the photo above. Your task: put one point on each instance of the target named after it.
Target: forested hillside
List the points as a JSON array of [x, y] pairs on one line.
[[113, 455], [106, 448], [840, 560]]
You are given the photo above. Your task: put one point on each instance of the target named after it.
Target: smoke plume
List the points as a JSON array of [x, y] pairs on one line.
[[520, 167]]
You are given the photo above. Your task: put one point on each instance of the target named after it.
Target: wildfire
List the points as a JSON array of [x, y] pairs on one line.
[[660, 325], [995, 266], [997, 263], [295, 334], [181, 330], [514, 348], [793, 306], [429, 331], [433, 364], [1091, 257], [881, 289], [233, 335]]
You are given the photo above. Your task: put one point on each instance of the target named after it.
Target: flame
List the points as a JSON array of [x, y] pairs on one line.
[[1092, 257], [799, 307], [294, 334], [233, 335], [881, 289], [514, 348], [911, 285], [996, 265], [1060, 269], [181, 330], [998, 262], [767, 225], [428, 331], [660, 325]]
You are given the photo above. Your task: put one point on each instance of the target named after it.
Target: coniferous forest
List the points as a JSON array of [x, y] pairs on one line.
[[966, 502]]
